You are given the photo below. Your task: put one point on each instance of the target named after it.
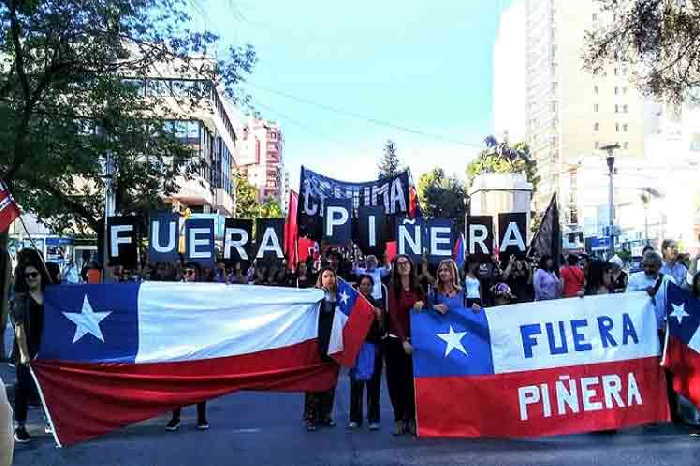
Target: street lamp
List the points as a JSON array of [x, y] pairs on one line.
[[609, 148]]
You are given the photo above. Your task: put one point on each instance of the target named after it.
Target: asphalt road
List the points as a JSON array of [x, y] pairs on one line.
[[266, 429]]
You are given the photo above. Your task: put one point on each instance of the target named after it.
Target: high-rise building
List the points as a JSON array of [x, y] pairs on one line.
[[569, 113], [260, 158]]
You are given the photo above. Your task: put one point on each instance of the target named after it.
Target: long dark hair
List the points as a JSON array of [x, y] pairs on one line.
[[395, 282], [595, 275], [319, 279], [30, 258]]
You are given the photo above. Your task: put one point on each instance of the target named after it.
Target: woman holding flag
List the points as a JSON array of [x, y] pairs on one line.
[[318, 406], [405, 293]]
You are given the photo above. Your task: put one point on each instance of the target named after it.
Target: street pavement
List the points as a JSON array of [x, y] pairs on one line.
[[266, 429]]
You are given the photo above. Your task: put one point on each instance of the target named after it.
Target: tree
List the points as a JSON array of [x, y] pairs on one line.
[[270, 209], [657, 39], [501, 157], [442, 196], [246, 198], [72, 90], [389, 164]]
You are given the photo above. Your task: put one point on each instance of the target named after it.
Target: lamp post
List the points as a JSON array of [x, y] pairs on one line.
[[609, 148]]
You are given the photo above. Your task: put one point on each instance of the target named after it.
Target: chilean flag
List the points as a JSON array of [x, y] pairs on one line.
[[682, 353], [536, 369], [8, 208], [115, 354]]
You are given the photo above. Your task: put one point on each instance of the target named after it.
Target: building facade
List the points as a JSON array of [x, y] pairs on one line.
[[260, 158], [569, 113]]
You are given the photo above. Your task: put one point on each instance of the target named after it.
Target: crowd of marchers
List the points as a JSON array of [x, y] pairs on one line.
[[393, 288]]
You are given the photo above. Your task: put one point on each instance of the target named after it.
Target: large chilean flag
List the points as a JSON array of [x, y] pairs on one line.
[[115, 354], [536, 369]]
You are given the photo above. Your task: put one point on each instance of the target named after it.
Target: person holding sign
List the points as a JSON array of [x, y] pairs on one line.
[[318, 406], [405, 294], [447, 294]]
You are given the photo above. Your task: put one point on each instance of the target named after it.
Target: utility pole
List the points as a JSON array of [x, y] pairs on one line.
[[110, 207], [611, 203]]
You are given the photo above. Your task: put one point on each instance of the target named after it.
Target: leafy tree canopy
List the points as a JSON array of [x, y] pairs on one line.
[[442, 196], [658, 39], [501, 157], [72, 89], [389, 164]]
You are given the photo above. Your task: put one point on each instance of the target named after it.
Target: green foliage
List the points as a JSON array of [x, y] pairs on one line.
[[657, 40], [270, 209], [389, 164], [504, 158], [246, 198], [442, 196], [65, 101]]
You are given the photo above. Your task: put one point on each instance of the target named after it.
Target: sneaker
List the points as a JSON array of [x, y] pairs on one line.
[[173, 425], [373, 426], [48, 429], [21, 435], [202, 425], [353, 425], [695, 433], [328, 422], [411, 427]]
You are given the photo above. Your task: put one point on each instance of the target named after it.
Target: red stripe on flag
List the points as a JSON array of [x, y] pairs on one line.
[[490, 406], [291, 231], [89, 400], [684, 362], [355, 331], [9, 210]]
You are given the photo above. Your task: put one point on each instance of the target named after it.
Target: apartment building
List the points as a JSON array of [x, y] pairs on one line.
[[569, 113], [260, 158]]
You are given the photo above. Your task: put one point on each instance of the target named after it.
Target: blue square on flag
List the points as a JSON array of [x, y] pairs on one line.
[[683, 314], [459, 340], [90, 323], [346, 296]]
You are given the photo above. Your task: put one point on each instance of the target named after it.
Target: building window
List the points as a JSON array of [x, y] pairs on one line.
[[595, 107], [596, 126], [624, 127], [624, 108], [615, 71], [597, 144], [617, 126], [624, 90], [554, 86], [595, 17], [626, 145], [595, 90], [616, 90], [554, 106], [617, 108]]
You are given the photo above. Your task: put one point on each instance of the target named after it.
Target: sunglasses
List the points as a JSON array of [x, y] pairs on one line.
[[31, 275]]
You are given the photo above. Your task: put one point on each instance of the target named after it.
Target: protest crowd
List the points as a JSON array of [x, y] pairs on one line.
[[393, 288]]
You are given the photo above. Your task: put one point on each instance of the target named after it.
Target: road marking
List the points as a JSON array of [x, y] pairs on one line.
[[247, 431]]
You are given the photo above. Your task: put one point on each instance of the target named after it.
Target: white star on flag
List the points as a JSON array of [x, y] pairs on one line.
[[453, 340], [344, 297], [679, 312], [87, 321]]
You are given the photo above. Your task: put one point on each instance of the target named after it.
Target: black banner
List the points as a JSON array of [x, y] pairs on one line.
[[547, 240], [512, 231], [122, 233], [371, 231], [439, 239], [409, 238], [163, 236], [269, 239], [199, 241], [315, 190], [337, 222], [480, 237], [238, 241]]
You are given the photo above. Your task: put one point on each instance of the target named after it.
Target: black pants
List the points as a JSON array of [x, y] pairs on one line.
[[24, 388], [399, 378], [201, 412], [318, 406], [373, 389]]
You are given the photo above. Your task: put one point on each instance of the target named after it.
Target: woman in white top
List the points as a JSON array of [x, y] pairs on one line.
[[472, 285]]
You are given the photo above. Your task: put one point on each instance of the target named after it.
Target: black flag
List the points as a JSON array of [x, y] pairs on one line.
[[547, 240]]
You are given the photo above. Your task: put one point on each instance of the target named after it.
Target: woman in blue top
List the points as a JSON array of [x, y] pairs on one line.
[[447, 293]]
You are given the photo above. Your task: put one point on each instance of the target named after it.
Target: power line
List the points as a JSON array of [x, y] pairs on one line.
[[375, 121]]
